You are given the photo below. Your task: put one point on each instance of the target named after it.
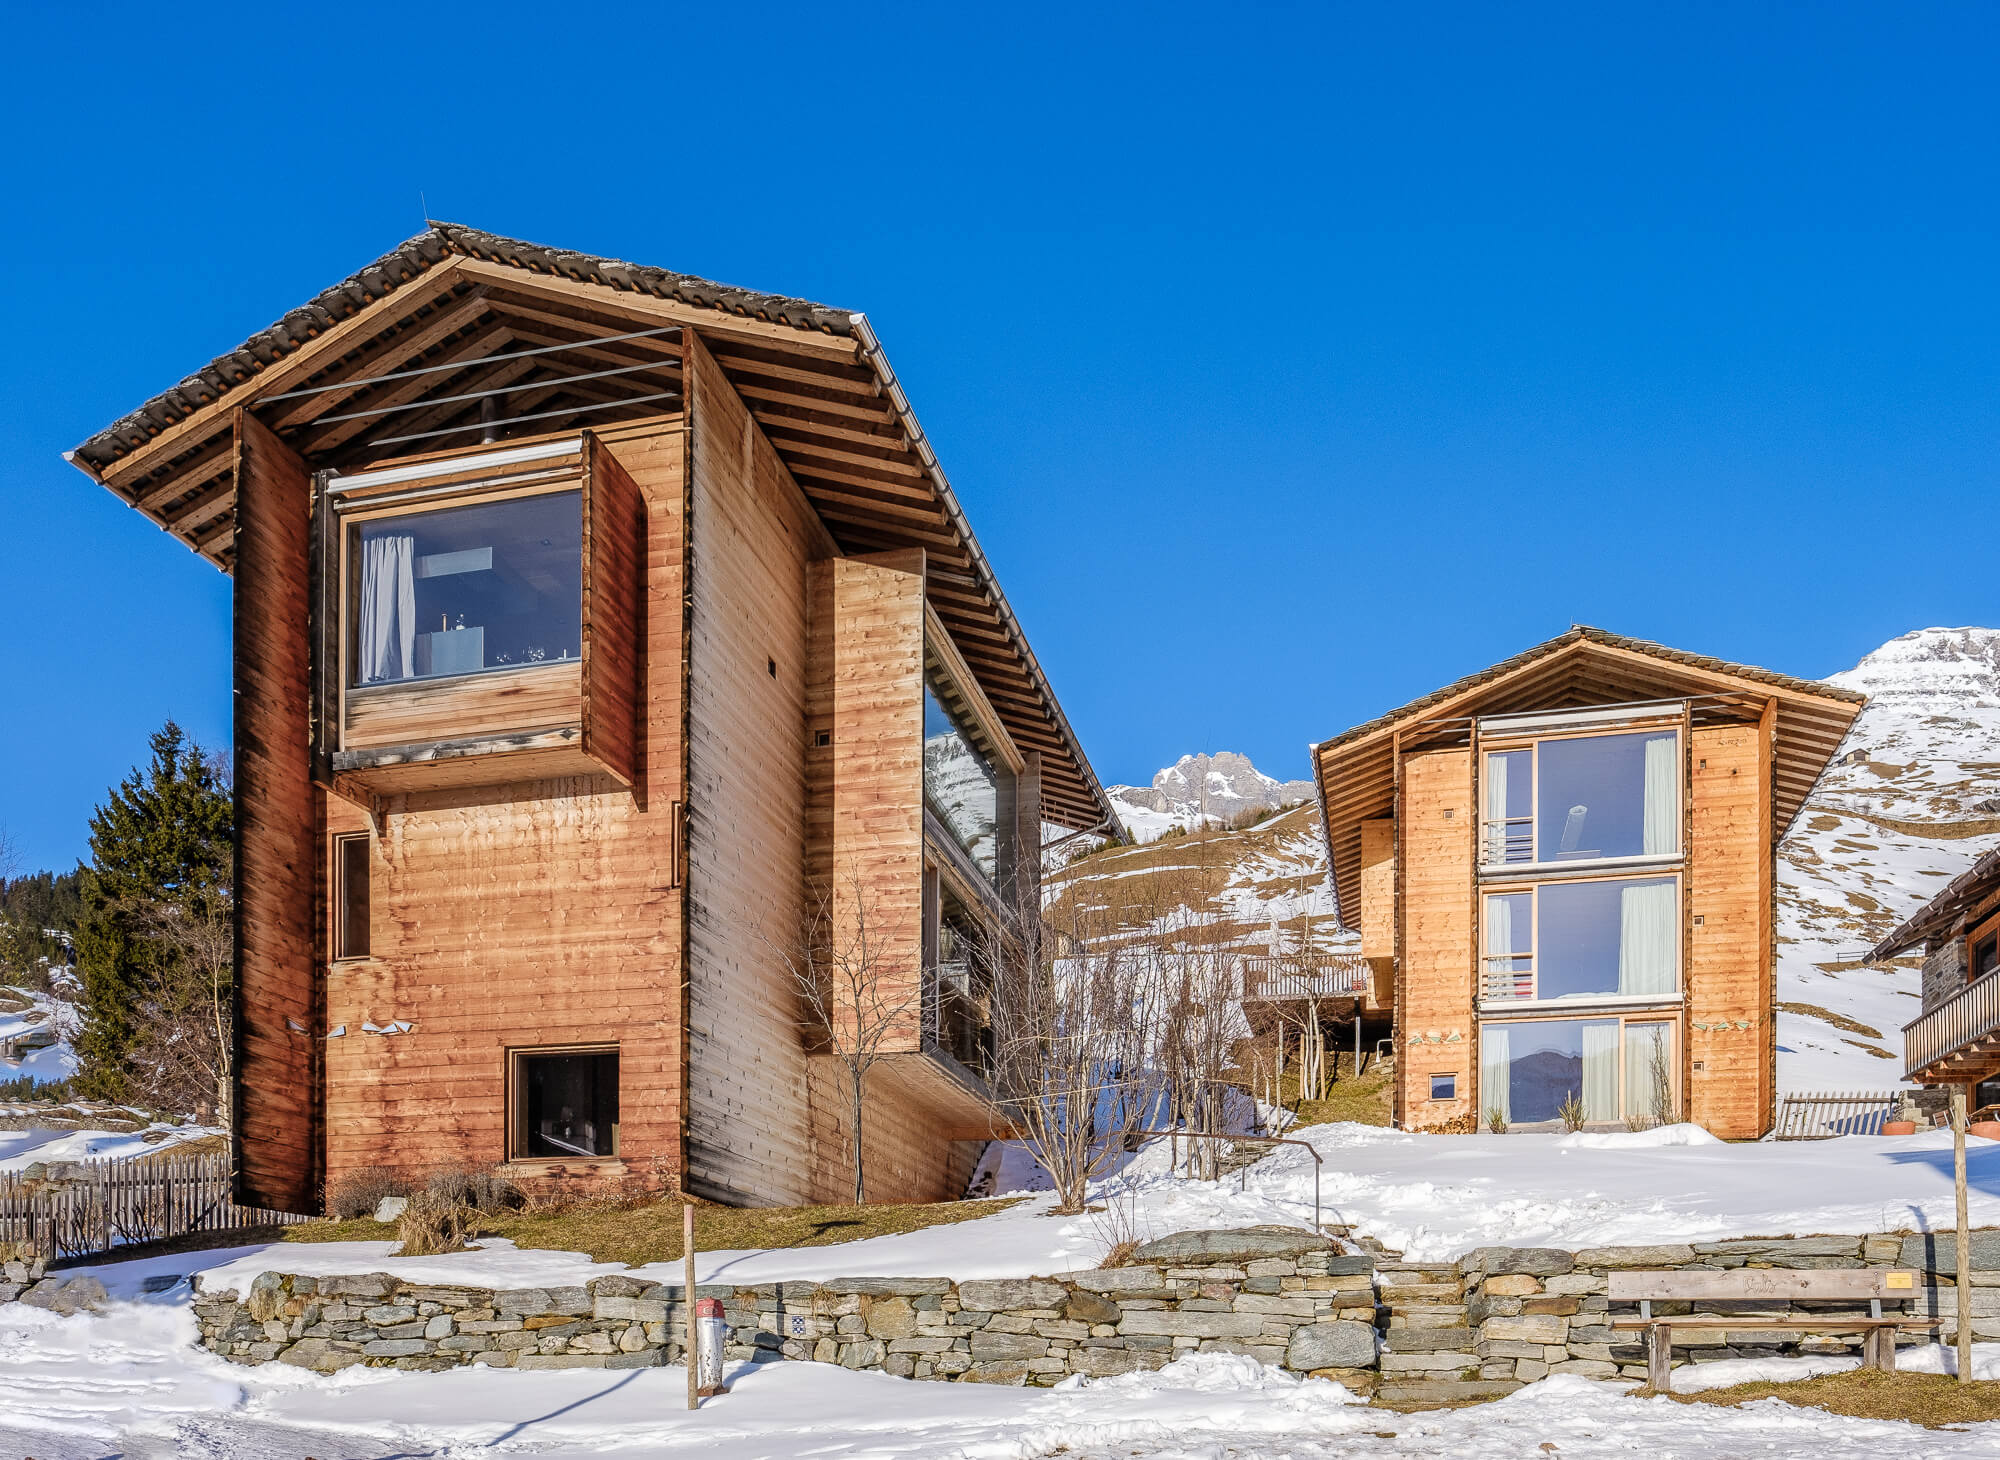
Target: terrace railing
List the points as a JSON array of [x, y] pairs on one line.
[[1819, 1115], [1968, 1016], [1339, 975]]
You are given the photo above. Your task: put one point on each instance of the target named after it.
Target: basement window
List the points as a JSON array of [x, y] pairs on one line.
[[565, 1103], [350, 895]]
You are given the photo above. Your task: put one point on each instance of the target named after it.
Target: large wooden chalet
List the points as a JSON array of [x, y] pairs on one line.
[[1955, 1041], [593, 624], [1564, 864]]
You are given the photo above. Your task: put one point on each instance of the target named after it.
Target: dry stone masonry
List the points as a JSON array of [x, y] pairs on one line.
[[1476, 1328]]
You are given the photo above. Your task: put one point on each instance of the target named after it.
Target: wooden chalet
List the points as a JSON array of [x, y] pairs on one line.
[[1562, 867], [593, 624], [1955, 1041]]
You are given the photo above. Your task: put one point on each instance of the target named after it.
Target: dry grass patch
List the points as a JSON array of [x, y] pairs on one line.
[[1932, 1400], [1365, 1100]]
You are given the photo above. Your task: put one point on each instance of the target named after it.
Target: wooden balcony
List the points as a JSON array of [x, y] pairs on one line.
[[1957, 1041], [1338, 976]]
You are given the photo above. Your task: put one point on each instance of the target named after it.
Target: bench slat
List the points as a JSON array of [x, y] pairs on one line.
[[1763, 1284]]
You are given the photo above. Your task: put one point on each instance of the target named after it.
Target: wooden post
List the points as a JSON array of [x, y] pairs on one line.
[[693, 1353], [1958, 1105], [1660, 1357]]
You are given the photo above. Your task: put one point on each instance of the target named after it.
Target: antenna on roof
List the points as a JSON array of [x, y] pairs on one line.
[[424, 207]]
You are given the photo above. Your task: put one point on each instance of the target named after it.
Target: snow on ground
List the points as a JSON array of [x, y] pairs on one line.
[[130, 1382], [19, 1148], [51, 1062]]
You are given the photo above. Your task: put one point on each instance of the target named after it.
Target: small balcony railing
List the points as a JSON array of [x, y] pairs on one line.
[[1342, 975], [1509, 976], [1968, 1016], [1507, 840]]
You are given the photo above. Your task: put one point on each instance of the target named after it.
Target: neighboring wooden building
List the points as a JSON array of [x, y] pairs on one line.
[[593, 623], [1956, 1039], [1564, 866]]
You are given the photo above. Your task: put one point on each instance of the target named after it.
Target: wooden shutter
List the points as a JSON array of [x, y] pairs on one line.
[[614, 603], [277, 1125]]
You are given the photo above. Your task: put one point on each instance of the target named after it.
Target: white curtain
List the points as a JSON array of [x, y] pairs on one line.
[[1662, 829], [1495, 1071], [1600, 1071], [387, 641], [1496, 809], [1500, 939], [1641, 1040], [1646, 938]]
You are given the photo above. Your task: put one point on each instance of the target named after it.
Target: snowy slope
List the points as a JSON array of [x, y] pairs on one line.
[[1911, 801], [30, 1013]]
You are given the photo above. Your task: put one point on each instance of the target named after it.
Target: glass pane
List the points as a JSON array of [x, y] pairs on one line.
[[466, 589], [1607, 796], [961, 784], [1649, 1072], [351, 870], [1510, 935], [1548, 1061], [570, 1104], [1509, 826], [1607, 938]]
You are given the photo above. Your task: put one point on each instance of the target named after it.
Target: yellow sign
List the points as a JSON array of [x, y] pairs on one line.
[[1901, 1280]]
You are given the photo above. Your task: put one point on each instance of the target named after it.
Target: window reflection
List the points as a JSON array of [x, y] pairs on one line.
[[960, 782]]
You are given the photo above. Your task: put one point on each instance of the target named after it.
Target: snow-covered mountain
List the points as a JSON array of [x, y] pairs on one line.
[[1912, 799], [1202, 790]]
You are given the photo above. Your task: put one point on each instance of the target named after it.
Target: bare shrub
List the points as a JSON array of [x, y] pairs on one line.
[[1115, 1222], [432, 1224], [480, 1187], [1661, 1072], [1571, 1113], [1495, 1121], [358, 1192]]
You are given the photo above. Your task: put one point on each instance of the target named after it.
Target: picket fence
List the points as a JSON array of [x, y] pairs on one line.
[[1822, 1114], [102, 1204]]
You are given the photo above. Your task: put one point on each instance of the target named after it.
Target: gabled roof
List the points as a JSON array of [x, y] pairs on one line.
[[587, 340], [1969, 888], [1585, 666]]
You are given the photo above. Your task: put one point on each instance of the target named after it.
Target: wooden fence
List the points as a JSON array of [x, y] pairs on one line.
[[104, 1204], [1821, 1115]]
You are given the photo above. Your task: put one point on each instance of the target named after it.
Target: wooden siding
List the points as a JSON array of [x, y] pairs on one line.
[[277, 1136], [751, 540], [614, 536], [1728, 974], [1434, 991], [1378, 888], [536, 697], [523, 915]]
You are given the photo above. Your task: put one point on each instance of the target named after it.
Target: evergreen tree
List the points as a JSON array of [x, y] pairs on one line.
[[38, 918], [161, 857]]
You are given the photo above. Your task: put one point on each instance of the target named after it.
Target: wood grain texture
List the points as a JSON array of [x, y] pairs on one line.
[[1378, 888], [502, 701], [276, 1135], [538, 911], [1728, 966], [1438, 936], [614, 536]]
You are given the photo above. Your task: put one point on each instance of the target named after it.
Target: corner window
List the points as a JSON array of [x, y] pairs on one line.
[[1582, 798], [350, 895], [960, 780], [1580, 940], [464, 589], [1983, 958], [1444, 1087], [565, 1104], [1528, 1070]]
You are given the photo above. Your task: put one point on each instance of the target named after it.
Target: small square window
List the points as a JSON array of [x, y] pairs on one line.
[[1444, 1087], [350, 895], [565, 1104]]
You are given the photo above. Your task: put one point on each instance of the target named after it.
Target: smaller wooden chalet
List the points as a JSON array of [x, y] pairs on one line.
[[1561, 869], [1956, 1039], [596, 628]]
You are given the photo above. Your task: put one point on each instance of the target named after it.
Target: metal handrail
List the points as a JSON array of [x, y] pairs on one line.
[[1244, 1175]]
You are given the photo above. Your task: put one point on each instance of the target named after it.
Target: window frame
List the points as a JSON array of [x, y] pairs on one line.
[[515, 1095], [1676, 1051], [1983, 934], [1449, 1094], [337, 887], [1502, 744], [1532, 889]]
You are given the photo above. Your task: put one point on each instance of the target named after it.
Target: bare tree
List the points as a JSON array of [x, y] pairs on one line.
[[1073, 1074], [858, 997], [183, 1055]]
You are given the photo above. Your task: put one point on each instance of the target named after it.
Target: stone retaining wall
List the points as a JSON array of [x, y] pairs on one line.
[[1279, 1294], [1479, 1327]]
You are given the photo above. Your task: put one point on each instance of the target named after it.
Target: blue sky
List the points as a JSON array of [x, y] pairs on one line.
[[1289, 361]]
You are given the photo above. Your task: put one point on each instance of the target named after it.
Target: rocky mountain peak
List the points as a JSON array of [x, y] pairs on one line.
[[1938, 668], [1216, 787]]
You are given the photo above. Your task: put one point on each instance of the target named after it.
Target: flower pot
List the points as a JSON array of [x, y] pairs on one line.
[[1988, 1130], [1899, 1127]]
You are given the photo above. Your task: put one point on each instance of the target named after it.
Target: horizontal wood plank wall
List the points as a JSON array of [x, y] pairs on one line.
[[537, 913], [878, 738], [1378, 908], [1727, 975], [752, 539], [905, 1158], [277, 1132], [614, 535], [506, 701], [1438, 903]]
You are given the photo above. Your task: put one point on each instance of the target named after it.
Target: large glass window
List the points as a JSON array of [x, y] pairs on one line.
[[566, 1103], [960, 781], [1583, 798], [1528, 1070], [1581, 940], [465, 589]]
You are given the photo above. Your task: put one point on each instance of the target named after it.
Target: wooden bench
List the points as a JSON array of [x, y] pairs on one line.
[[1768, 1285]]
